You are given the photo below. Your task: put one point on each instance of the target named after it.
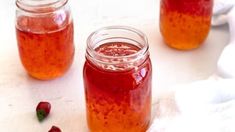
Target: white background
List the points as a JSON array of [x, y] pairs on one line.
[[19, 94]]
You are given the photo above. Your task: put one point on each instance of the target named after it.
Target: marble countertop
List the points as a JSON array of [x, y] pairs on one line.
[[19, 93]]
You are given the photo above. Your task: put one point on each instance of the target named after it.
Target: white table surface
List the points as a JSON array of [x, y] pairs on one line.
[[19, 94]]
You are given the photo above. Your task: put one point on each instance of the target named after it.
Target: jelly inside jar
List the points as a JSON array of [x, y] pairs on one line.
[[185, 24], [118, 99], [45, 45]]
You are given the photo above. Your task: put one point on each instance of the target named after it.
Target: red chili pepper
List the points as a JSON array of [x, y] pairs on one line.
[[54, 129], [43, 110]]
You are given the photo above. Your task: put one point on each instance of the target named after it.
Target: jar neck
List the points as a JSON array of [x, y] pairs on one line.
[[40, 6], [118, 34]]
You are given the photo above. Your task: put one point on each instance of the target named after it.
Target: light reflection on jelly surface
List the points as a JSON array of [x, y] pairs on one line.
[[118, 100], [46, 45], [185, 24]]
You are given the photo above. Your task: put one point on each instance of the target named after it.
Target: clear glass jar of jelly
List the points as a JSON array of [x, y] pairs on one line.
[[45, 37], [185, 24], [117, 80]]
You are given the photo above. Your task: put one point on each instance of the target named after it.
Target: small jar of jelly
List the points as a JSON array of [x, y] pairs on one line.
[[185, 24], [117, 79], [44, 30]]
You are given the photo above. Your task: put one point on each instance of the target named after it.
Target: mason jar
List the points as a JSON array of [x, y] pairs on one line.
[[45, 37], [117, 80], [185, 24]]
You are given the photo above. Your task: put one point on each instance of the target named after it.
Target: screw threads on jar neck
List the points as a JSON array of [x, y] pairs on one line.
[[117, 34], [40, 6]]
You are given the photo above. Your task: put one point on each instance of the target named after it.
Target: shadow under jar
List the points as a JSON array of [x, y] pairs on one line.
[[185, 24], [44, 31], [117, 80]]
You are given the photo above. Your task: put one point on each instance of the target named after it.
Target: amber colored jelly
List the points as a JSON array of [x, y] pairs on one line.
[[118, 99], [185, 24], [46, 47]]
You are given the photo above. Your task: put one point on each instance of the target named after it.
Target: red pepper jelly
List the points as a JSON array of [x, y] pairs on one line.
[[117, 80], [44, 31], [185, 24]]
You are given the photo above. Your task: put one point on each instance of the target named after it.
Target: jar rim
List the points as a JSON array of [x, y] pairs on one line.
[[90, 51], [40, 6]]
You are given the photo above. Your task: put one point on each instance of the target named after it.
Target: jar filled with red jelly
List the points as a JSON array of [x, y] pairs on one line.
[[117, 80], [185, 24], [45, 37]]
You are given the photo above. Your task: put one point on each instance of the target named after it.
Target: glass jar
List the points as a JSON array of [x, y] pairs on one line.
[[44, 31], [117, 80], [185, 24]]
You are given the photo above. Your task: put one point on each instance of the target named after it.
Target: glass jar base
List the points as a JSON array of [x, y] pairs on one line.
[[45, 77], [184, 46], [143, 129]]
